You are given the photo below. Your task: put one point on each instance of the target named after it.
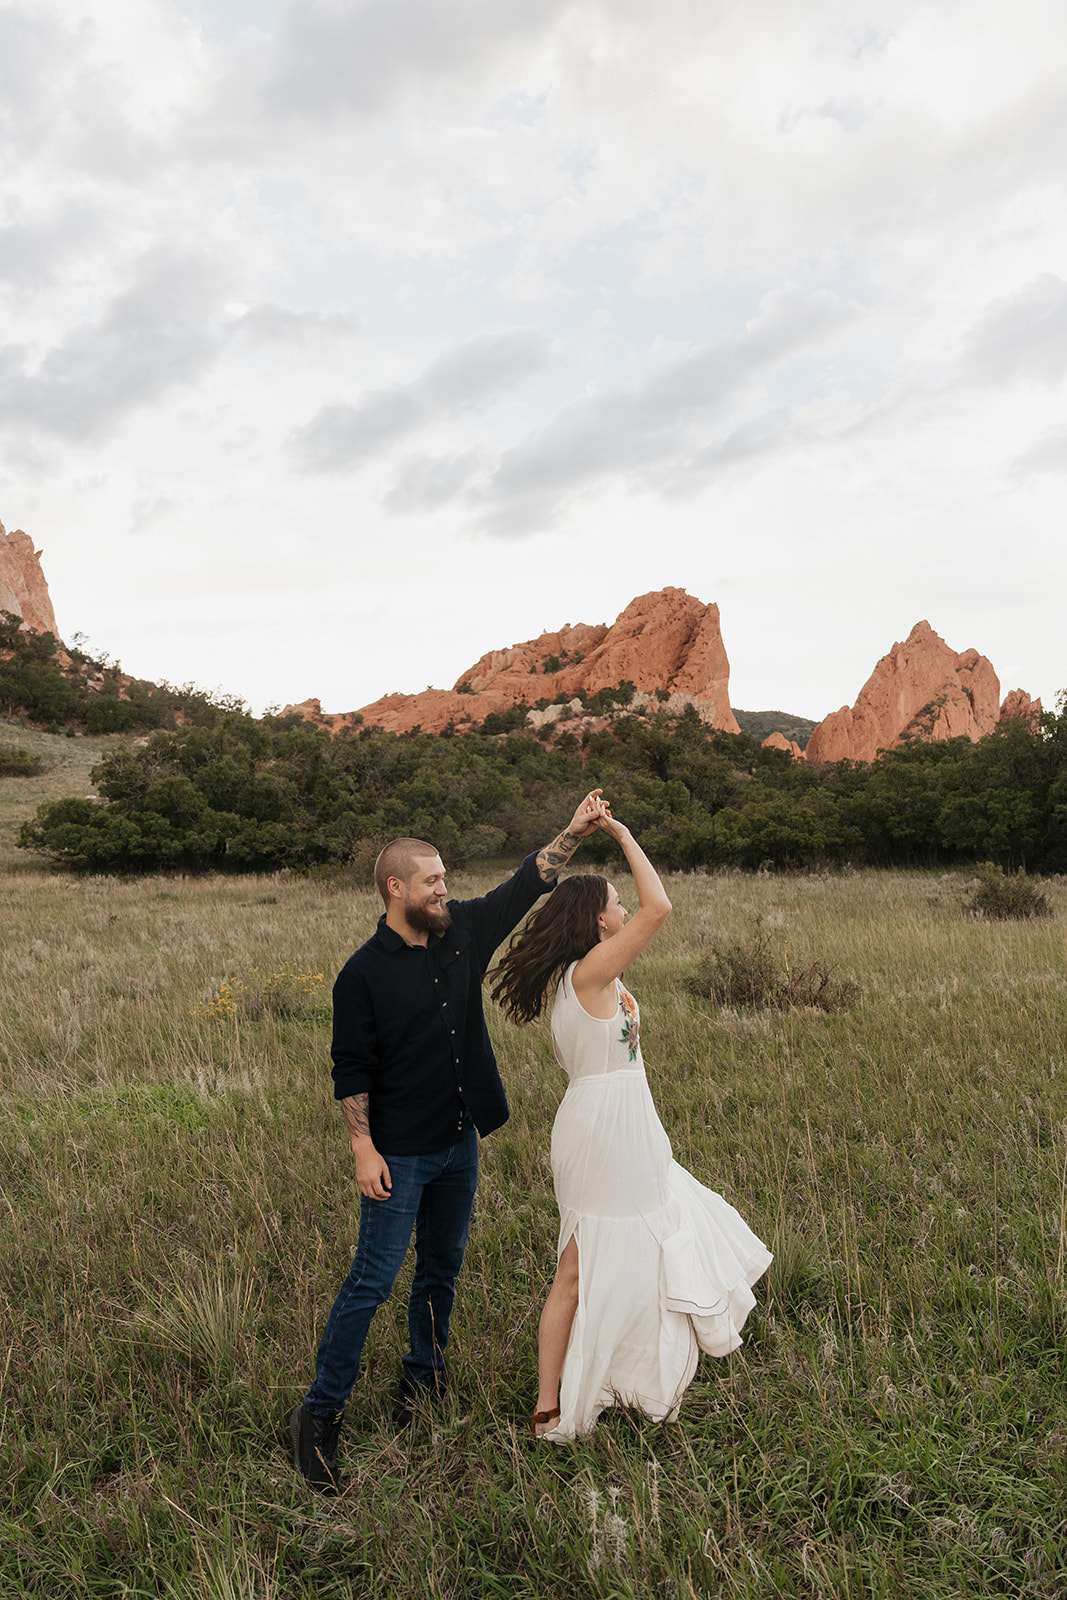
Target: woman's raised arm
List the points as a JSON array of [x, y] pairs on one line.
[[594, 976]]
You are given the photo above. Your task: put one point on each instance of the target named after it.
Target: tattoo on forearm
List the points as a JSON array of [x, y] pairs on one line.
[[557, 854], [355, 1109]]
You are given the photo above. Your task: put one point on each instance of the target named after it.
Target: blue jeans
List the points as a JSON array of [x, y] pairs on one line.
[[432, 1194]]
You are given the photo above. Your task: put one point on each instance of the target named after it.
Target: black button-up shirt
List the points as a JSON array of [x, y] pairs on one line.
[[408, 1025]]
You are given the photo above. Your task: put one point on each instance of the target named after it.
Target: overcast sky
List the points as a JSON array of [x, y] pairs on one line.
[[345, 340]]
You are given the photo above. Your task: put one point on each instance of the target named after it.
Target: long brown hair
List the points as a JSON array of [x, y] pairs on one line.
[[563, 929]]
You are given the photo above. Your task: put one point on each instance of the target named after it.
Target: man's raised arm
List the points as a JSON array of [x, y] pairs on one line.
[[554, 856]]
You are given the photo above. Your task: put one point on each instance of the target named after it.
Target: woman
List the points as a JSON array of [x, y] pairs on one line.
[[651, 1266]]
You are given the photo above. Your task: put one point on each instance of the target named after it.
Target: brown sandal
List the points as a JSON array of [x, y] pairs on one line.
[[539, 1418]]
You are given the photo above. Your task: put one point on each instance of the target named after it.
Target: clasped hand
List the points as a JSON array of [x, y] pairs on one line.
[[595, 812]]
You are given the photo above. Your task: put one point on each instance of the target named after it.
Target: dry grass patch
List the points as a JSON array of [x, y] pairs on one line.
[[178, 1207]]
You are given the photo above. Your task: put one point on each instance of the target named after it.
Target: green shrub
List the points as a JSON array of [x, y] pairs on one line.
[[749, 974], [1000, 896], [18, 763], [505, 721], [478, 843], [605, 700]]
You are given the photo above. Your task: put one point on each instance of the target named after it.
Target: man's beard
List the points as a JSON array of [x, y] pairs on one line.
[[427, 919]]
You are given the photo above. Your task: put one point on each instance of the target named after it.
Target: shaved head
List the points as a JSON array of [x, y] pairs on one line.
[[398, 860]]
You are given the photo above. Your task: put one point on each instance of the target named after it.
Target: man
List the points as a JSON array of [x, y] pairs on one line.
[[415, 1074]]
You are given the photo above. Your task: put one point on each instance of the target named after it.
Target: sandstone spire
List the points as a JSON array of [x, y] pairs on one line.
[[1017, 703], [921, 689], [23, 590]]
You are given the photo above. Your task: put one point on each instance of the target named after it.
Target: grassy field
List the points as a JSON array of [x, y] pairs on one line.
[[178, 1209], [67, 764]]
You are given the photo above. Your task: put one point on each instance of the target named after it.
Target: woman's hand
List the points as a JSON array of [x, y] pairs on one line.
[[610, 825], [587, 816]]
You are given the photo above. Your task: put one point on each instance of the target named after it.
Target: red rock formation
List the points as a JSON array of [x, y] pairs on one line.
[[1017, 703], [921, 689], [778, 741], [23, 590], [508, 672], [666, 640], [432, 710]]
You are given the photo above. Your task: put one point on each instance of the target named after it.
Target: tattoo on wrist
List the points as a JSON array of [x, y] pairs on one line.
[[355, 1108], [557, 854]]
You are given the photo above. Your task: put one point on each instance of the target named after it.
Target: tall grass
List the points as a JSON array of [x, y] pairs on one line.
[[177, 1208]]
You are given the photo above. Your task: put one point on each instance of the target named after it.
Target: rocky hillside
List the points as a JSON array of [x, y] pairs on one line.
[[667, 644]]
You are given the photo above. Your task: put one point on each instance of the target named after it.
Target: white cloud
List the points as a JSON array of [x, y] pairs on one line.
[[1021, 336], [633, 432], [342, 435], [268, 324], [162, 331], [35, 243], [330, 56], [703, 296], [1049, 454], [425, 483], [36, 50]]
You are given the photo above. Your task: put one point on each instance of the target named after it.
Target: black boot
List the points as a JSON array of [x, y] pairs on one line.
[[315, 1448], [412, 1398]]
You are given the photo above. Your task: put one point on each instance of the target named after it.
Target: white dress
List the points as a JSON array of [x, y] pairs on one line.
[[665, 1266]]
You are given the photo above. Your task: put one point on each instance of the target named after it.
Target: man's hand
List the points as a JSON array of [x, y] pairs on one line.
[[587, 814], [372, 1174], [556, 855]]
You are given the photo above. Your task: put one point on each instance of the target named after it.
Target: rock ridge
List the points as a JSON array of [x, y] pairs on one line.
[[667, 643]]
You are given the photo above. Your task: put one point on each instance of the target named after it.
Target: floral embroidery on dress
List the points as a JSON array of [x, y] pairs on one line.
[[631, 1027]]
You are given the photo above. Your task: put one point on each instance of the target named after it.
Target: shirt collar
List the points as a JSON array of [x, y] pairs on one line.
[[391, 940]]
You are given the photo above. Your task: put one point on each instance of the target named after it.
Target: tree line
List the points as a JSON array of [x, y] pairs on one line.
[[70, 691], [231, 792]]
